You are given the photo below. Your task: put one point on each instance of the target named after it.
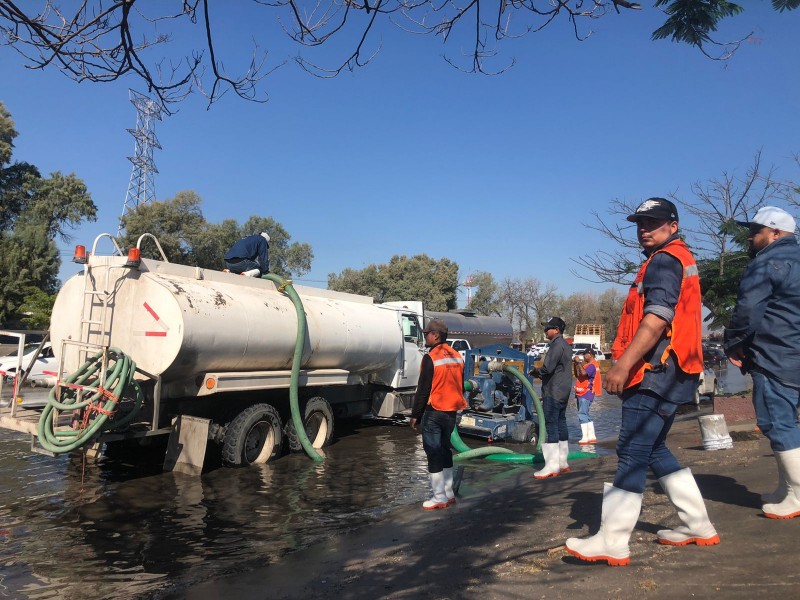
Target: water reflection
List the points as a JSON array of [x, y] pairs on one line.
[[123, 529]]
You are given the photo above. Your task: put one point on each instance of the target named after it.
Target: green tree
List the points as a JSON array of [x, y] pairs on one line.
[[101, 42], [486, 299], [36, 308], [707, 223], [174, 222], [420, 277], [187, 238], [34, 211]]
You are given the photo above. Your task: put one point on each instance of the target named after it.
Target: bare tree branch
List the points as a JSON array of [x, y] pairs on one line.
[[104, 40]]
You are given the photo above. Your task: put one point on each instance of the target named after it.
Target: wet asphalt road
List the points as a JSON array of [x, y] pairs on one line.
[[121, 528]]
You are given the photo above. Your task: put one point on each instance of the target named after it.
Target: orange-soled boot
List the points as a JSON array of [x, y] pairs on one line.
[[448, 486], [563, 453], [619, 515], [439, 498], [682, 491], [551, 462]]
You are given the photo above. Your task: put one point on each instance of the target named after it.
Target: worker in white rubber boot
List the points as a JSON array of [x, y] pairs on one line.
[[659, 359], [763, 338], [556, 376], [588, 385], [440, 394]]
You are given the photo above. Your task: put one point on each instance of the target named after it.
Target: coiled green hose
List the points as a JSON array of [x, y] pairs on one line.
[[103, 401]]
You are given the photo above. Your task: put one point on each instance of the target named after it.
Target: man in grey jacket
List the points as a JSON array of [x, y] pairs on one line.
[[556, 376], [763, 339]]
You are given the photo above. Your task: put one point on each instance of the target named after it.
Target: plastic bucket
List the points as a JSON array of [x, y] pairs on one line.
[[714, 432]]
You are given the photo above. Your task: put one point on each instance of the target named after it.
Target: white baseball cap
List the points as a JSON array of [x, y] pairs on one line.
[[772, 217]]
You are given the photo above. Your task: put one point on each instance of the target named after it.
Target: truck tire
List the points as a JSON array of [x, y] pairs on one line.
[[525, 433], [318, 422], [253, 437]]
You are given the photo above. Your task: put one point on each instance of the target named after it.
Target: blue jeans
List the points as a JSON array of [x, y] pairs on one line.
[[555, 419], [437, 427], [776, 412], [646, 421], [242, 265], [583, 409]]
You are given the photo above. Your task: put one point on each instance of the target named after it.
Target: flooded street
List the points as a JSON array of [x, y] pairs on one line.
[[115, 529]]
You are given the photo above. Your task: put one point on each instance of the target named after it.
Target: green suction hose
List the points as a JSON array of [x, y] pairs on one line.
[[537, 404], [99, 408], [286, 287], [504, 454]]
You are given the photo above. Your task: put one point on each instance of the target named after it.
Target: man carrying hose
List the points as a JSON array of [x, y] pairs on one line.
[[658, 360], [440, 395]]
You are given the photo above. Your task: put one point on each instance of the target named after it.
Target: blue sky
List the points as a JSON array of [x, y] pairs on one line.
[[409, 155]]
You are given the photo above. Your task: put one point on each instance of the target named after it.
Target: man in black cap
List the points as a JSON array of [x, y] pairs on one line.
[[658, 360], [440, 395], [556, 376]]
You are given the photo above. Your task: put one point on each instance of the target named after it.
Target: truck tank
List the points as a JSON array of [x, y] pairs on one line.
[[479, 330], [180, 322]]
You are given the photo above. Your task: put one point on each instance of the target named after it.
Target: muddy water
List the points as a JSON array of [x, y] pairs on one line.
[[124, 529]]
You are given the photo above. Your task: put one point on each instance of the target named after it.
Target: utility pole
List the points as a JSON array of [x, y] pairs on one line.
[[142, 185]]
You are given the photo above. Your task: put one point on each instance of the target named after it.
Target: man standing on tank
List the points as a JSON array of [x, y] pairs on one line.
[[658, 360], [556, 376], [440, 395]]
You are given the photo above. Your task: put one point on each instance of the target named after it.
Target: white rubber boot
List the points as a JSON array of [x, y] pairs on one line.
[[448, 486], [592, 437], [779, 495], [620, 513], [682, 491], [439, 499], [252, 273], [789, 507], [584, 434], [551, 468], [563, 453]]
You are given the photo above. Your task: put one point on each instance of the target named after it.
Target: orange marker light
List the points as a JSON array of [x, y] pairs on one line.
[[210, 383], [134, 258], [80, 255]]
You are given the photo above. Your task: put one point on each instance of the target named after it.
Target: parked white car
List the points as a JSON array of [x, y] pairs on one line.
[[46, 364], [541, 348], [708, 386], [580, 348]]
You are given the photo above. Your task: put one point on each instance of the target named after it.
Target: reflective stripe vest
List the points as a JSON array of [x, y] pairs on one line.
[[582, 385], [447, 387], [685, 331]]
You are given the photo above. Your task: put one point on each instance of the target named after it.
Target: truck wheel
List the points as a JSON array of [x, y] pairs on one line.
[[318, 423], [253, 437], [525, 433]]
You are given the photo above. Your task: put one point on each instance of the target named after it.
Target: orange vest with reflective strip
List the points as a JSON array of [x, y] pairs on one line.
[[684, 333], [448, 379], [582, 385]]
